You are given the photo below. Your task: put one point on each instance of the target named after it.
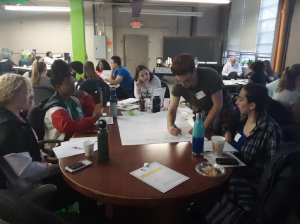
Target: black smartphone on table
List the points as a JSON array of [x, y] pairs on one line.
[[227, 161]]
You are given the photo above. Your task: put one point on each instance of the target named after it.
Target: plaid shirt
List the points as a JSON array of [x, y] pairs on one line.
[[262, 144]]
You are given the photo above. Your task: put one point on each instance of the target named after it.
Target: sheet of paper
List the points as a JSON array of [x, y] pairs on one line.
[[82, 139], [152, 129], [71, 148], [127, 107], [135, 112], [160, 177], [128, 101], [109, 120], [212, 159], [227, 147], [106, 74]]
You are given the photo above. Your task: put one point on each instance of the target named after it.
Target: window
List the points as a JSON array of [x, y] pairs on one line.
[[266, 28]]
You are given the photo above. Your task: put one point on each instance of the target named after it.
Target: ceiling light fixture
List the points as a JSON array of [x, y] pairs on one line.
[[36, 8], [163, 12], [193, 1]]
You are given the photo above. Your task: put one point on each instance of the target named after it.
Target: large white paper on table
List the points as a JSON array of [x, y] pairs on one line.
[[71, 148], [160, 177], [127, 107], [152, 129], [227, 147], [135, 112], [212, 159], [82, 139], [128, 101]]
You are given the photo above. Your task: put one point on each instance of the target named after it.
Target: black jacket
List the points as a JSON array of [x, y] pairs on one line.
[[92, 86], [16, 137]]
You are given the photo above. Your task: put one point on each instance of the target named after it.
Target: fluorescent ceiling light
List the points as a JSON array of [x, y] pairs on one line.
[[194, 1], [37, 8], [163, 12]]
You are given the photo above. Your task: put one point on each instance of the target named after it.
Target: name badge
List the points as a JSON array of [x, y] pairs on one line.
[[200, 95], [237, 137]]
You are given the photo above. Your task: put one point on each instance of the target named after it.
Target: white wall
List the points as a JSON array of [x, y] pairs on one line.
[[156, 27], [42, 31]]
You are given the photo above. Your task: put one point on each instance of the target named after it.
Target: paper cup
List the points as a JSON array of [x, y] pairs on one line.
[[218, 143], [166, 103], [232, 81], [88, 148]]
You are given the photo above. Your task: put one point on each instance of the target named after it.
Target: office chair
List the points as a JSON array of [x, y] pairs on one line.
[[41, 93], [167, 93], [18, 210]]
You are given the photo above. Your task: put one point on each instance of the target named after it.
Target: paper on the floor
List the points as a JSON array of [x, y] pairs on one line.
[[151, 129], [227, 147], [212, 159], [159, 176], [71, 148]]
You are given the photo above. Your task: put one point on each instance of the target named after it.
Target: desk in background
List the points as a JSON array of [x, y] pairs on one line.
[[125, 195]]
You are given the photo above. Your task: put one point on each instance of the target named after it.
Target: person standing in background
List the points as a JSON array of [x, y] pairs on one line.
[[49, 58]]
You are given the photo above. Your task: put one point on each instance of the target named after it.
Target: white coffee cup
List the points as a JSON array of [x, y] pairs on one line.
[[232, 81], [166, 103], [88, 148], [218, 143]]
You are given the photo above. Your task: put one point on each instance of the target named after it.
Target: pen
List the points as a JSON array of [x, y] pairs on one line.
[[75, 147]]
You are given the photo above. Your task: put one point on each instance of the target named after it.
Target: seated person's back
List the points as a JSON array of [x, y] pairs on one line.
[[92, 82], [258, 75]]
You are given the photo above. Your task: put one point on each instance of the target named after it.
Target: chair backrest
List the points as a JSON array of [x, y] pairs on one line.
[[167, 93], [278, 193], [36, 117], [41, 93], [291, 133]]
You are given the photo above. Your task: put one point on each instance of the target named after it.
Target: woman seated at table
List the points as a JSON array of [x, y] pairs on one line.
[[272, 75], [76, 68], [38, 76], [259, 75], [145, 82], [92, 82], [256, 136], [68, 110], [102, 65], [22, 163]]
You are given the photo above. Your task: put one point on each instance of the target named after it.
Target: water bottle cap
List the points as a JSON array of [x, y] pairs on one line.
[[197, 115], [102, 124]]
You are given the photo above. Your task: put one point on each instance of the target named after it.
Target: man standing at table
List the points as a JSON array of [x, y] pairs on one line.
[[120, 75], [201, 87], [232, 69]]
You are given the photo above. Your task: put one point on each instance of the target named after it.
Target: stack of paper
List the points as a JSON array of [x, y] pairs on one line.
[[160, 177], [72, 147]]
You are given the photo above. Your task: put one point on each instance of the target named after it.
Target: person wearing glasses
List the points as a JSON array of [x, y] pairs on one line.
[[200, 87]]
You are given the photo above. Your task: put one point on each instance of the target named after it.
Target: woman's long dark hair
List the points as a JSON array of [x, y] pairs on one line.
[[258, 94], [106, 65], [140, 68], [288, 78], [60, 71]]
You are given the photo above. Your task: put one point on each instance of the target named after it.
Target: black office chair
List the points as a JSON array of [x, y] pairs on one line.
[[291, 133], [41, 93], [167, 93], [18, 210], [36, 117]]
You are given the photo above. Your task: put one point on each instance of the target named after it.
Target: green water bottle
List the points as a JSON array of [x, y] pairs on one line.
[[103, 146]]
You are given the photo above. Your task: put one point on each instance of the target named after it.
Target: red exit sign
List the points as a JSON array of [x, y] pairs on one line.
[[136, 25]]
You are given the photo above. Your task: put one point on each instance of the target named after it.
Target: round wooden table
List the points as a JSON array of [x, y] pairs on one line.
[[112, 182]]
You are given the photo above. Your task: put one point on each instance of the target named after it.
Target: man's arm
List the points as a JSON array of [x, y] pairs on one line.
[[116, 81], [217, 99], [225, 70], [172, 116]]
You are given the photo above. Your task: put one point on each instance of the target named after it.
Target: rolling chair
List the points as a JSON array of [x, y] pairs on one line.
[[19, 210], [167, 93], [41, 93]]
